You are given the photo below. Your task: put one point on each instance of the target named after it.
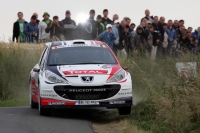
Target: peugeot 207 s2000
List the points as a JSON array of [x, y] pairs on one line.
[[79, 73]]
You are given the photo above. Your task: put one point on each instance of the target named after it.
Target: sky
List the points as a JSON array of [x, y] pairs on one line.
[[170, 9]]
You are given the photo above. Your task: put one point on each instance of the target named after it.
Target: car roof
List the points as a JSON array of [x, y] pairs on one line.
[[70, 43]]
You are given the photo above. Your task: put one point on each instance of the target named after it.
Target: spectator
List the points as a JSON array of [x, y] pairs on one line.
[[31, 31], [176, 47], [161, 32], [92, 22], [165, 40], [105, 19], [184, 40], [125, 39], [115, 31], [132, 27], [144, 20], [149, 40], [147, 16], [69, 26], [148, 24], [43, 36], [115, 17], [155, 25], [156, 41], [128, 21], [108, 36], [132, 34], [190, 29], [100, 26], [37, 21], [181, 22], [196, 34], [193, 45], [176, 27], [171, 37], [140, 42], [55, 28], [18, 28], [88, 30]]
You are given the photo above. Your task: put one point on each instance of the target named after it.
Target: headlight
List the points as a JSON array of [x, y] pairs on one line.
[[117, 77], [52, 77]]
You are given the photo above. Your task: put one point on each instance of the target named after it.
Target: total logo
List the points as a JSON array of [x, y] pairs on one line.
[[125, 93], [85, 72]]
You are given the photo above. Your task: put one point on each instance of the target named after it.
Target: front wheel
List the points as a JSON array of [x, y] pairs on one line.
[[43, 111], [124, 110]]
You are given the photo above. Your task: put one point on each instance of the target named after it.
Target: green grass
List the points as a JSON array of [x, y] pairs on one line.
[[14, 102]]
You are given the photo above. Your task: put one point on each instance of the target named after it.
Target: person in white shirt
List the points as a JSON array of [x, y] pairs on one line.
[[43, 35]]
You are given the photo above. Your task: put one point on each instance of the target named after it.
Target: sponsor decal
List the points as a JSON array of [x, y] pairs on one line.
[[49, 95], [125, 93], [89, 96], [117, 102], [85, 72], [87, 90], [56, 103]]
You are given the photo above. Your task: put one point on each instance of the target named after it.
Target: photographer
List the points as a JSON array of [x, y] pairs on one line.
[[55, 28], [31, 31]]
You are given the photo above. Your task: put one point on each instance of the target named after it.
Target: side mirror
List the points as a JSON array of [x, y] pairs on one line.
[[125, 68], [37, 70]]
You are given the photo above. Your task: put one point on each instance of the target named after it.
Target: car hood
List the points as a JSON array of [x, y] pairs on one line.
[[74, 73], [102, 69]]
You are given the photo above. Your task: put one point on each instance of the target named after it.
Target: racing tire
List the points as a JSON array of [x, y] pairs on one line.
[[45, 112], [34, 105], [124, 110]]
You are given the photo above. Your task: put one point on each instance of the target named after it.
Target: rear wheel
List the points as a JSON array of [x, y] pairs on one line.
[[124, 110], [32, 103]]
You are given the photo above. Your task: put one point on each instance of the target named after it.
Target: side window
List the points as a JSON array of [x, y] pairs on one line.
[[42, 55], [43, 60]]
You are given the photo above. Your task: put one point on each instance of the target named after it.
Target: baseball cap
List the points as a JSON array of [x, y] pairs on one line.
[[46, 13], [92, 11], [116, 21], [99, 17], [33, 17], [108, 26], [68, 11], [149, 22]]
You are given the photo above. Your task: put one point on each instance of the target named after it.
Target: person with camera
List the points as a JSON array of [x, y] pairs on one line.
[[31, 31], [55, 28]]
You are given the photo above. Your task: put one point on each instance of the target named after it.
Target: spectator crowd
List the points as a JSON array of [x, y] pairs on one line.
[[153, 36]]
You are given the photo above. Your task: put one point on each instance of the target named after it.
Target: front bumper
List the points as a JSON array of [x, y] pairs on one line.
[[114, 103]]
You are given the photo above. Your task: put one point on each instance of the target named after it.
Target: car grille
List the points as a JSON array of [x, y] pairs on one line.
[[87, 93]]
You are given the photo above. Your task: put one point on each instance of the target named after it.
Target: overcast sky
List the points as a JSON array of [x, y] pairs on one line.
[[170, 9]]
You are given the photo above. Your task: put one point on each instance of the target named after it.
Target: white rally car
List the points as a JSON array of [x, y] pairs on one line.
[[79, 73]]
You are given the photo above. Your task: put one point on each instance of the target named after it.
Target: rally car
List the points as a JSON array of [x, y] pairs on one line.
[[79, 73]]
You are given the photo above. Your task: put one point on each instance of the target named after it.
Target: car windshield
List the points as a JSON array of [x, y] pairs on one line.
[[80, 55]]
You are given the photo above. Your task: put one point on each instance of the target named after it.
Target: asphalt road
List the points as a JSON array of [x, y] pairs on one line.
[[26, 120]]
